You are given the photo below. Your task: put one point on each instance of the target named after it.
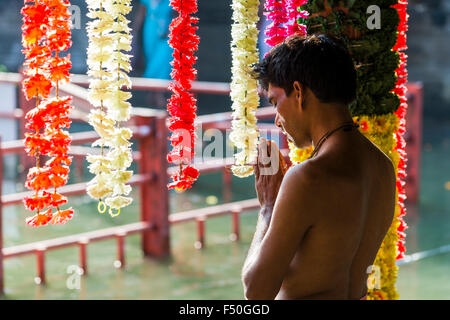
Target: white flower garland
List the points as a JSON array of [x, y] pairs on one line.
[[244, 93], [109, 35]]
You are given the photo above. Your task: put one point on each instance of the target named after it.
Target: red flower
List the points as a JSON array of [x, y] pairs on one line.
[[38, 180], [61, 217], [400, 90], [190, 172], [276, 32], [38, 202], [364, 125], [36, 85], [60, 141], [35, 119], [58, 68], [57, 199], [57, 181], [40, 219], [184, 6], [182, 105], [60, 159], [35, 18], [36, 142], [60, 170], [188, 177], [180, 185], [36, 56], [46, 29]]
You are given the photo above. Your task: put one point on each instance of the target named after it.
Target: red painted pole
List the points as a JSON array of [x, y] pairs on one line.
[[200, 243], [154, 194], [79, 167], [2, 291], [121, 249], [236, 224], [83, 254], [40, 259]]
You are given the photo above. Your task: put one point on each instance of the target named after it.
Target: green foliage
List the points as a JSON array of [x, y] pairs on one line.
[[3, 68], [372, 51]]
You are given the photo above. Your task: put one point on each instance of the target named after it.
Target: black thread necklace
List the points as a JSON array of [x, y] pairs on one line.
[[349, 125]]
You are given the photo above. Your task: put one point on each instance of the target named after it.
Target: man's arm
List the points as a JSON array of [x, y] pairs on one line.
[[262, 226], [278, 236]]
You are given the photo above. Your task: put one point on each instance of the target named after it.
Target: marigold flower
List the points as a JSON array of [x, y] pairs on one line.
[[61, 217], [40, 219], [46, 29]]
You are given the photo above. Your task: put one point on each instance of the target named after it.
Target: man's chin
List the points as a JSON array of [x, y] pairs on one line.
[[289, 138], [298, 145]]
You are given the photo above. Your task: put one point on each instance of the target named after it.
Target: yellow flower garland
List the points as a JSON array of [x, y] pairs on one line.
[[244, 92], [109, 35], [380, 129]]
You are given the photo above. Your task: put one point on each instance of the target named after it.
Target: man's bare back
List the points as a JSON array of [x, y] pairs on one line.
[[354, 185]]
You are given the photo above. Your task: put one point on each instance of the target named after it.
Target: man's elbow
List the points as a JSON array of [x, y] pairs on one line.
[[257, 290]]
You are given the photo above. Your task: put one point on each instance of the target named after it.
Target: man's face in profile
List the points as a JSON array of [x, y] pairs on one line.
[[289, 115]]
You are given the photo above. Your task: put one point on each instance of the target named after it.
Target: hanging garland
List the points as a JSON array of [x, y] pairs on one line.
[[182, 104], [45, 35], [244, 93], [400, 90], [276, 31], [290, 12], [297, 17], [109, 37], [379, 129]]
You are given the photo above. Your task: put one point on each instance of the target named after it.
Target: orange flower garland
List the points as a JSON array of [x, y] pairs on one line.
[[45, 34]]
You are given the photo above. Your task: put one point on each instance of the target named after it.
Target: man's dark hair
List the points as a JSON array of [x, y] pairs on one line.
[[320, 62]]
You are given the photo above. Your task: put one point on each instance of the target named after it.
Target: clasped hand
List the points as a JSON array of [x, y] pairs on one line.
[[269, 172]]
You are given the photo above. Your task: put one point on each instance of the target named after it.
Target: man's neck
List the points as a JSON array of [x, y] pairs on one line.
[[328, 117]]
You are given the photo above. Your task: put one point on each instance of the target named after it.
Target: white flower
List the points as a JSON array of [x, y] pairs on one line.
[[243, 87], [109, 39], [118, 202]]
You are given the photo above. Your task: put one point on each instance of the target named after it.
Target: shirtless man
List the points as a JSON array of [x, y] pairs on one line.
[[321, 222]]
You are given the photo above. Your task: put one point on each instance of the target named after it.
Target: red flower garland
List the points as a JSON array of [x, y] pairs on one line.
[[282, 12], [400, 89], [276, 32], [46, 30], [182, 105], [294, 13]]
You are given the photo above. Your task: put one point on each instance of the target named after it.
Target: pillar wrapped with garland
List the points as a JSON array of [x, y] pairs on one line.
[[380, 107]]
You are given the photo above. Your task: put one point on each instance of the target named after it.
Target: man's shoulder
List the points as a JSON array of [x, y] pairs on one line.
[[305, 175], [309, 170]]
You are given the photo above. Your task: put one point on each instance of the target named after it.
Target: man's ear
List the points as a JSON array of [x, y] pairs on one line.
[[299, 92]]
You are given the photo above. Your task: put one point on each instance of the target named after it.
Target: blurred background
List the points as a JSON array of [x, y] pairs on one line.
[[214, 271]]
